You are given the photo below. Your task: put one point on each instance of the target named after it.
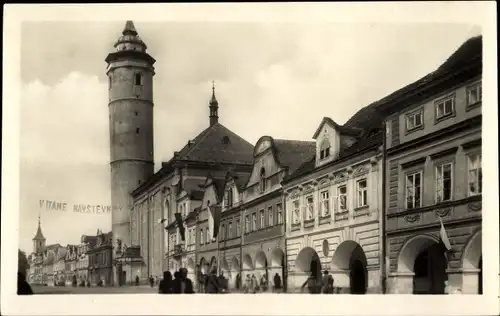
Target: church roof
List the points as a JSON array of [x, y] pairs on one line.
[[217, 144]]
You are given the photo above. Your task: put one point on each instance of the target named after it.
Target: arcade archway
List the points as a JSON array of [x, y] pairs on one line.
[[308, 261], [204, 266], [350, 256], [247, 262], [213, 265], [472, 264], [277, 270], [235, 275], [261, 265], [191, 268], [424, 256]]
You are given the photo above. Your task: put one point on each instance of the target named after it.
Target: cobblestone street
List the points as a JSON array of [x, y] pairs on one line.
[[94, 290]]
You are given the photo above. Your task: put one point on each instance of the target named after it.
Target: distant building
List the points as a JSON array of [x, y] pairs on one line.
[[100, 259], [434, 175], [42, 260]]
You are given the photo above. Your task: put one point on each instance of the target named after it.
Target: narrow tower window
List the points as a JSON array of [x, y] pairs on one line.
[[138, 79], [137, 130], [109, 82]]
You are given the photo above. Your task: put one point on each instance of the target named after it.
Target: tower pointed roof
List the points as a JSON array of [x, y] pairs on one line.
[[213, 100], [129, 28], [214, 107], [130, 40], [39, 235]]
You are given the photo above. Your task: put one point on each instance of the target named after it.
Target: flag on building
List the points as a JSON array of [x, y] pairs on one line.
[[214, 220], [161, 220], [180, 225], [444, 237]]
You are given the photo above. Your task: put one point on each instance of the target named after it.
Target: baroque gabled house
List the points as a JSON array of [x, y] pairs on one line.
[[333, 207], [253, 201], [100, 259]]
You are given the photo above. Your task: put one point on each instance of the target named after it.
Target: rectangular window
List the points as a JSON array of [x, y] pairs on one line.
[[414, 120], [362, 189], [342, 196], [202, 237], [474, 94], [138, 79], [310, 207], [226, 198], [445, 107], [209, 236], [238, 228], [247, 224], [270, 216], [414, 190], [230, 230], [475, 175], [444, 182], [262, 219], [325, 203], [279, 211], [296, 212], [254, 222]]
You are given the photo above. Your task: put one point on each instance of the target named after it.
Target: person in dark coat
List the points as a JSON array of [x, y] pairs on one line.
[[23, 287], [137, 278], [313, 285], [277, 282], [182, 284], [166, 284], [212, 285], [327, 283], [151, 281]]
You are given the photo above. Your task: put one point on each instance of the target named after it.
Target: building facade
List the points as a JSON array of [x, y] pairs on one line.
[[101, 260], [435, 179], [253, 202], [334, 208]]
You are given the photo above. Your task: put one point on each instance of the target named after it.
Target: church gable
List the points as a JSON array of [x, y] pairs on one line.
[[265, 163]]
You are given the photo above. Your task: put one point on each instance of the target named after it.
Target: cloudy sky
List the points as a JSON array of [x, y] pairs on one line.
[[271, 79]]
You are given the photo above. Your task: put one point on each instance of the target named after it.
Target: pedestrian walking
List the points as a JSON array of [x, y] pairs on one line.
[[166, 284], [182, 284], [151, 281], [313, 285], [277, 282], [254, 284], [327, 283], [137, 280], [212, 285]]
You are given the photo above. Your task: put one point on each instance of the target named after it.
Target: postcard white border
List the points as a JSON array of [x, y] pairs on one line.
[[482, 13]]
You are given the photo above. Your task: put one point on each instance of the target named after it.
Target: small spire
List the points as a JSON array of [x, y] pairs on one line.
[[213, 101], [214, 107], [129, 28]]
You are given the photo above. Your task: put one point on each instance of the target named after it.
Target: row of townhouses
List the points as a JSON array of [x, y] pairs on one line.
[[388, 202], [84, 264]]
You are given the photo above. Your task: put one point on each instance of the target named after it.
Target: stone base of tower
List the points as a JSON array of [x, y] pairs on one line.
[[127, 266]]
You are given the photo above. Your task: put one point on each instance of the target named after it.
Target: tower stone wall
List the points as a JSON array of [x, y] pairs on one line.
[[130, 73]]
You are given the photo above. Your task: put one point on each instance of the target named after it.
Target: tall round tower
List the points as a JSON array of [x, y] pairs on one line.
[[130, 72]]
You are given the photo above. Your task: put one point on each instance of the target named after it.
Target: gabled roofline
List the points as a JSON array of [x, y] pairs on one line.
[[350, 131]]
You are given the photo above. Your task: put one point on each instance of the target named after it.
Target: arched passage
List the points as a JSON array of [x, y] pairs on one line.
[[261, 265], [424, 256], [235, 280], [350, 256], [308, 261], [247, 262], [277, 270], [204, 266], [213, 264], [472, 263]]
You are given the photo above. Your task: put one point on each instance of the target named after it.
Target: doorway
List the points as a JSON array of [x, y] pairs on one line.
[[357, 277], [430, 271], [480, 276]]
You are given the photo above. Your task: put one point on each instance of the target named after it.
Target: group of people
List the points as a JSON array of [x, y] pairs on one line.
[[317, 286], [178, 284], [251, 284]]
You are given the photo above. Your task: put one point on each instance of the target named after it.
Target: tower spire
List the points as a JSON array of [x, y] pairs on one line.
[[214, 107]]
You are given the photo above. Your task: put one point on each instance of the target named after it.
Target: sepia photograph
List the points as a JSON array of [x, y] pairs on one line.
[[275, 157]]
